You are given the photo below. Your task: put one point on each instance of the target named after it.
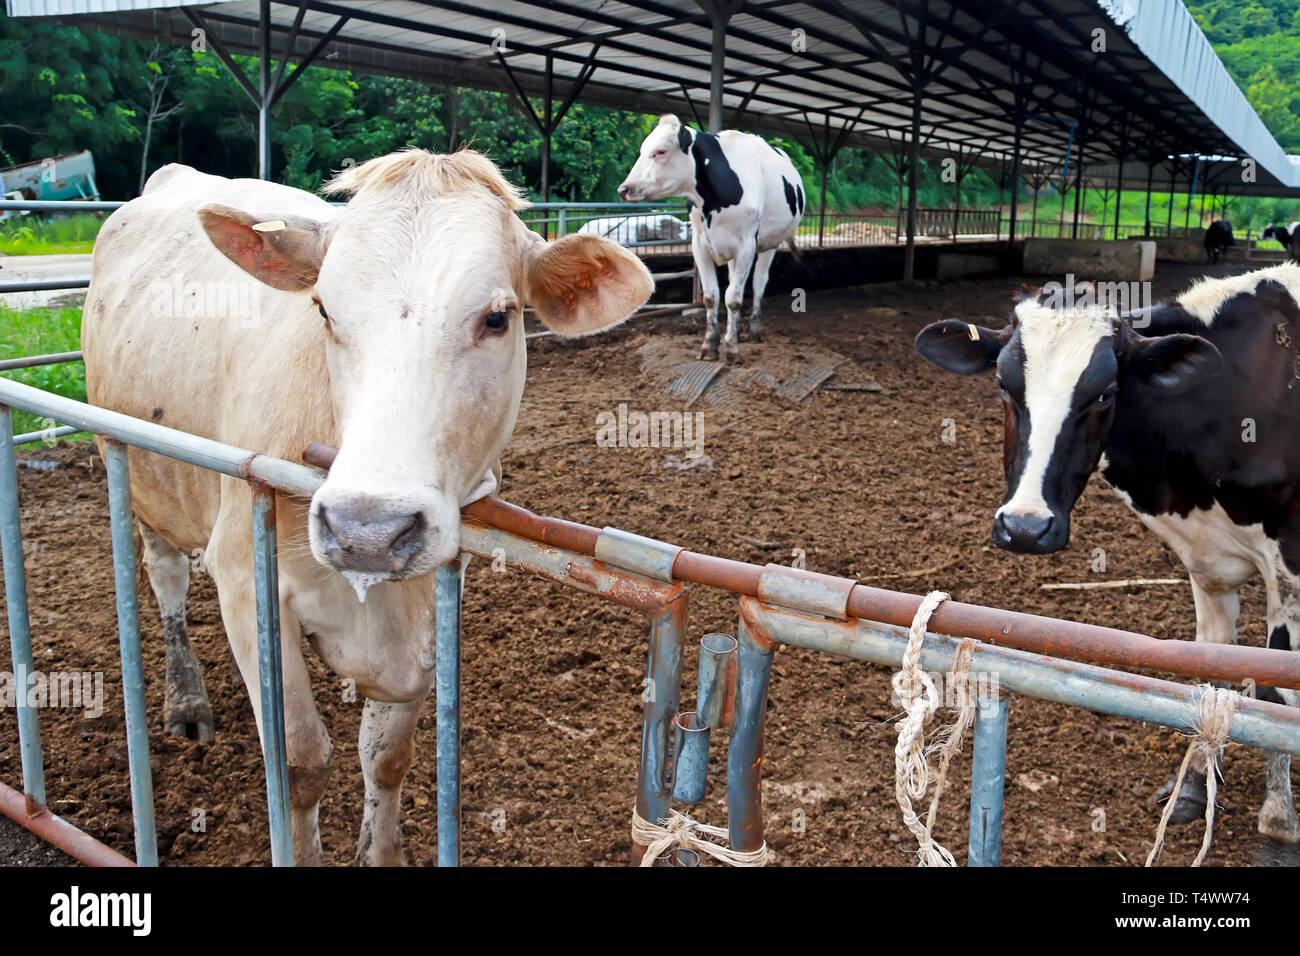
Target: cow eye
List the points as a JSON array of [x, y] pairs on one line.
[[496, 321], [660, 152], [1106, 397], [323, 314]]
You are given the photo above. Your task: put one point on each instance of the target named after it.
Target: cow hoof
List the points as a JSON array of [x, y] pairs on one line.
[[1277, 820], [191, 719], [1191, 799], [755, 336], [709, 353], [732, 355]]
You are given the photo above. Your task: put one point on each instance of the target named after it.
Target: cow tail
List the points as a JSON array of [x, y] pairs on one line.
[[793, 248]]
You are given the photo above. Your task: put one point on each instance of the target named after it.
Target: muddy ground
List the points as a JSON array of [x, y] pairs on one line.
[[861, 481]]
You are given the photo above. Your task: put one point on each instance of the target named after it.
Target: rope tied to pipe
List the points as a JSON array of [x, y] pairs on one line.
[[1210, 729], [679, 830], [920, 698]]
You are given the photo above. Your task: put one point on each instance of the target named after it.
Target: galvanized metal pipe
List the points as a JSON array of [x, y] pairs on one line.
[[49, 434], [44, 285], [660, 700], [203, 452], [31, 361], [717, 664], [690, 758], [745, 751], [266, 584], [447, 688], [128, 639], [1256, 723], [988, 781], [20, 632]]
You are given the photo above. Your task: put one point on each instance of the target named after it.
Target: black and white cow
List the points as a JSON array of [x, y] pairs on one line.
[[746, 200], [1192, 418], [1289, 236], [1218, 237]]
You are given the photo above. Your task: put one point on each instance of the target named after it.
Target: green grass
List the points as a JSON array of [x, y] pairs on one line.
[[32, 236], [38, 332]]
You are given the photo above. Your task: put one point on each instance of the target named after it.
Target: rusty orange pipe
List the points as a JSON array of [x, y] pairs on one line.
[[58, 831], [1027, 632]]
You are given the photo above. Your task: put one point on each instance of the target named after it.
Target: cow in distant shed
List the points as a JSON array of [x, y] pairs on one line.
[[1218, 237], [1191, 414], [746, 200], [1289, 236]]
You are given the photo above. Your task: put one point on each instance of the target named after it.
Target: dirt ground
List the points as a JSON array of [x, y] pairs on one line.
[[860, 480]]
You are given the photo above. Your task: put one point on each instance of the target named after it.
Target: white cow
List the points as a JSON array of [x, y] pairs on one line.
[[632, 230], [746, 200], [391, 328]]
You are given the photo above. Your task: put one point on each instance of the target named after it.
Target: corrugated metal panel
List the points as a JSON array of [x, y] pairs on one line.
[[68, 8], [1169, 37]]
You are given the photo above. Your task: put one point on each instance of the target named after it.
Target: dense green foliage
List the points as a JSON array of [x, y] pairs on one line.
[[40, 332]]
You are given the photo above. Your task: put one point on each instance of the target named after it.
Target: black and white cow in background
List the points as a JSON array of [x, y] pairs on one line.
[[746, 200], [1289, 236], [1218, 237], [1192, 418]]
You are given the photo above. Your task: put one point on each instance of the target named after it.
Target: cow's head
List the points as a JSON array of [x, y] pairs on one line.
[[665, 167], [1064, 375], [413, 293]]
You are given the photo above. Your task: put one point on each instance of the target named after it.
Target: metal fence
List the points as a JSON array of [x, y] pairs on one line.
[[1034, 656]]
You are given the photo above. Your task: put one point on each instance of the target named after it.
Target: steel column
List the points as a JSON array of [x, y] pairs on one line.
[[128, 639], [988, 778], [267, 585], [745, 752], [20, 634], [264, 91], [914, 158], [447, 697]]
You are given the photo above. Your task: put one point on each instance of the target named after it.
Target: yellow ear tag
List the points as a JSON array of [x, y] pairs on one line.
[[974, 332], [273, 225]]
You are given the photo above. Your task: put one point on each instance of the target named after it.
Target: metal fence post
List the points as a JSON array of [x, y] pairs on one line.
[[447, 697], [270, 672], [128, 639], [660, 699], [988, 778], [745, 751], [20, 634]]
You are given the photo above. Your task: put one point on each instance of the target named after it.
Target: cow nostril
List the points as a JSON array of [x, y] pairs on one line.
[[329, 537], [407, 540]]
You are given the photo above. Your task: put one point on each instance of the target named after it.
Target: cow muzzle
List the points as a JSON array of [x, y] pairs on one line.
[[1030, 532], [364, 537], [630, 193]]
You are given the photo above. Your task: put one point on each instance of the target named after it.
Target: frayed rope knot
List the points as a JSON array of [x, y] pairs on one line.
[[679, 830], [920, 699], [1209, 736]]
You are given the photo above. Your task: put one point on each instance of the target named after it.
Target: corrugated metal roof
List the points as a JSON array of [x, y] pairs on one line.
[[1157, 91]]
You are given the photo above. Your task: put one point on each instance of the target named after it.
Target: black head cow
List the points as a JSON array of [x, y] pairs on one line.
[[1191, 412]]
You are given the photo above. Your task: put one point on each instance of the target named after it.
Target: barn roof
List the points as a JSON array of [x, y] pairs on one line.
[[1109, 78]]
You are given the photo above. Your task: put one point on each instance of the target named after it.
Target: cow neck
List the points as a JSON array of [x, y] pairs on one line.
[[716, 182]]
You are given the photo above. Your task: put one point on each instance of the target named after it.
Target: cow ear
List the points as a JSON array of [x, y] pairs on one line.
[[960, 346], [583, 284], [1174, 363], [284, 252]]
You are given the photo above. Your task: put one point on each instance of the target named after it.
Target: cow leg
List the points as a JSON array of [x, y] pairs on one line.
[[387, 748], [708, 271], [737, 275], [762, 266], [1277, 815], [307, 742], [187, 708]]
